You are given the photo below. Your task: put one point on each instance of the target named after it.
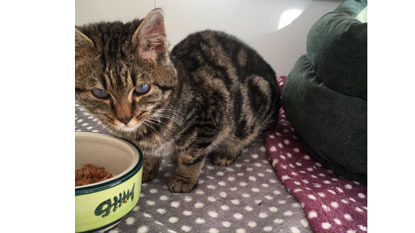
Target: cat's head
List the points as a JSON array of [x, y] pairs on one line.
[[123, 72]]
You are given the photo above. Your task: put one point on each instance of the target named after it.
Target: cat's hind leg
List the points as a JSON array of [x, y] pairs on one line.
[[226, 152]]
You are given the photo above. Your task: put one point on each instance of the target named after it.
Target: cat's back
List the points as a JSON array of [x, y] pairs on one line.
[[221, 52]]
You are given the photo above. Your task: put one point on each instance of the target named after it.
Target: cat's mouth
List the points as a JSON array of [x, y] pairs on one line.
[[133, 124]]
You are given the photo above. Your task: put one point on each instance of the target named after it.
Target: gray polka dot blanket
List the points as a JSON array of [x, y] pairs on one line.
[[246, 196]]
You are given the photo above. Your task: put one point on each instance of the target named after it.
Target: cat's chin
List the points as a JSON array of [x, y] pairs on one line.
[[126, 128]]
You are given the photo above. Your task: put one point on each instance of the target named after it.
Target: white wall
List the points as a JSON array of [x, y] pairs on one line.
[[257, 22]]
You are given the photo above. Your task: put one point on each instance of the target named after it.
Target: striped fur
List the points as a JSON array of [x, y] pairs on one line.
[[212, 95]]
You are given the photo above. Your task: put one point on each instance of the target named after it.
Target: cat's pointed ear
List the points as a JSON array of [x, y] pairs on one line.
[[83, 47], [150, 36]]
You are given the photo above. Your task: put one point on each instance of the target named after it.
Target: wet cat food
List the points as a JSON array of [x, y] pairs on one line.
[[89, 174]]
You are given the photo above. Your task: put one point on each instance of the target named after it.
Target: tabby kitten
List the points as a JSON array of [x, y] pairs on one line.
[[212, 95]]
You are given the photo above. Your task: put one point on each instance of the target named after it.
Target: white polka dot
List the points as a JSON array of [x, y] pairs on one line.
[[213, 214], [273, 209], [211, 199], [146, 215], [252, 224], [361, 195], [331, 191], [211, 187], [187, 213], [334, 204], [325, 225], [348, 186], [358, 209], [173, 219], [219, 173], [312, 214], [142, 229], [252, 178], [231, 178], [337, 221], [281, 202], [262, 149], [263, 215], [350, 231], [150, 203], [363, 228], [255, 190], [285, 177], [304, 222], [226, 224], [348, 217], [288, 213], [286, 142], [161, 211], [221, 183], [243, 184], [240, 230], [297, 190], [186, 228], [325, 208], [199, 205], [213, 230], [248, 208], [164, 198], [345, 201], [327, 182], [235, 201], [296, 205], [294, 230], [254, 156], [200, 221], [187, 198], [296, 150], [273, 149], [238, 216], [267, 228], [265, 185], [311, 196], [271, 136], [175, 204], [129, 220], [321, 194], [224, 207], [276, 192], [246, 195], [278, 221]]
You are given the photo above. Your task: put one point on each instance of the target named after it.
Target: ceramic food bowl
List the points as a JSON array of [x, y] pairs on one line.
[[100, 206]]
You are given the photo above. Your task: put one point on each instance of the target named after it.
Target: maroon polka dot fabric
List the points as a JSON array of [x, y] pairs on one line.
[[331, 203]]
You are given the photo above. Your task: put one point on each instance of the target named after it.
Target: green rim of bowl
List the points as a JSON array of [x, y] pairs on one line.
[[119, 180]]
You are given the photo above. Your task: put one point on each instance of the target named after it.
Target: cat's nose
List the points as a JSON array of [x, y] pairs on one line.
[[124, 120]]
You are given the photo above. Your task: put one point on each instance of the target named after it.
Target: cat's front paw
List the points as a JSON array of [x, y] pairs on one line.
[[179, 184]]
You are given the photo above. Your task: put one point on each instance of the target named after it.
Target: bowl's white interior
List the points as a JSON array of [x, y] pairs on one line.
[[115, 155]]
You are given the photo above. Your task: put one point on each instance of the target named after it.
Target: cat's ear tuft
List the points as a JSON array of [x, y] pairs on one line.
[[150, 36], [83, 47]]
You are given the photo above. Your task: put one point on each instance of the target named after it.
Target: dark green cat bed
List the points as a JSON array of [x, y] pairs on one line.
[[325, 94]]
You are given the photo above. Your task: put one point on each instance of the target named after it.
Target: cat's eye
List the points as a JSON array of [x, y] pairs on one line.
[[142, 89], [99, 93]]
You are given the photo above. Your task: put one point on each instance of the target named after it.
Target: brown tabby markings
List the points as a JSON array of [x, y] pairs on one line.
[[212, 95]]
